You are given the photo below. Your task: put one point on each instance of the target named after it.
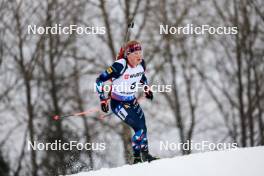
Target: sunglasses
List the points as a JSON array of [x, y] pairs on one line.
[[133, 49]]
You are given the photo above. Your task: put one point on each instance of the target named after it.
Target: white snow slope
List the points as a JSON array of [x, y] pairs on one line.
[[236, 162]]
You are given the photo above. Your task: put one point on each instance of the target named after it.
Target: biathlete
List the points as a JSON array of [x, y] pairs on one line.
[[126, 73]]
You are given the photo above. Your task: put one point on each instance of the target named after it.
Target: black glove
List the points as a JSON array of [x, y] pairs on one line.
[[104, 105], [148, 93]]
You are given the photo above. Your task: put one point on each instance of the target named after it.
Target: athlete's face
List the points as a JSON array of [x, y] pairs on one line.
[[135, 58]]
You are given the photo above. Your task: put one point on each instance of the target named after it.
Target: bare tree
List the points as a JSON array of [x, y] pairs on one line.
[[240, 66]]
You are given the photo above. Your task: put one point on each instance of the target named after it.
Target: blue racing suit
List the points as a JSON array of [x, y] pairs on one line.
[[123, 101]]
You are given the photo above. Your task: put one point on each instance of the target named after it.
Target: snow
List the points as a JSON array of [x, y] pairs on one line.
[[235, 162]]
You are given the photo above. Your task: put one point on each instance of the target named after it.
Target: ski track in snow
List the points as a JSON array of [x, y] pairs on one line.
[[235, 162]]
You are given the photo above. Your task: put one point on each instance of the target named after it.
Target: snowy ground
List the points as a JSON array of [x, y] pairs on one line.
[[236, 162]]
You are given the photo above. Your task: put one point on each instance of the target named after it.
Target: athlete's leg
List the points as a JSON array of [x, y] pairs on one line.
[[132, 114]]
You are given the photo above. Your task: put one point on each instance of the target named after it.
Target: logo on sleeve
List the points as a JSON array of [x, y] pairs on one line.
[[109, 70]]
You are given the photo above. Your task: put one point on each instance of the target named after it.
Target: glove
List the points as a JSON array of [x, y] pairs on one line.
[[148, 93], [104, 105]]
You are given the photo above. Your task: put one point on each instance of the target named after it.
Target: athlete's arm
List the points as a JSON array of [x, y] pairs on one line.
[[113, 71], [144, 81]]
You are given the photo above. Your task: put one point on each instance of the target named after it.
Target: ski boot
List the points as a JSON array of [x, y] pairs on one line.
[[137, 158], [147, 157]]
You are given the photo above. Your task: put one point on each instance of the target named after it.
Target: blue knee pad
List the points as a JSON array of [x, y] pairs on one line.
[[140, 141]]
